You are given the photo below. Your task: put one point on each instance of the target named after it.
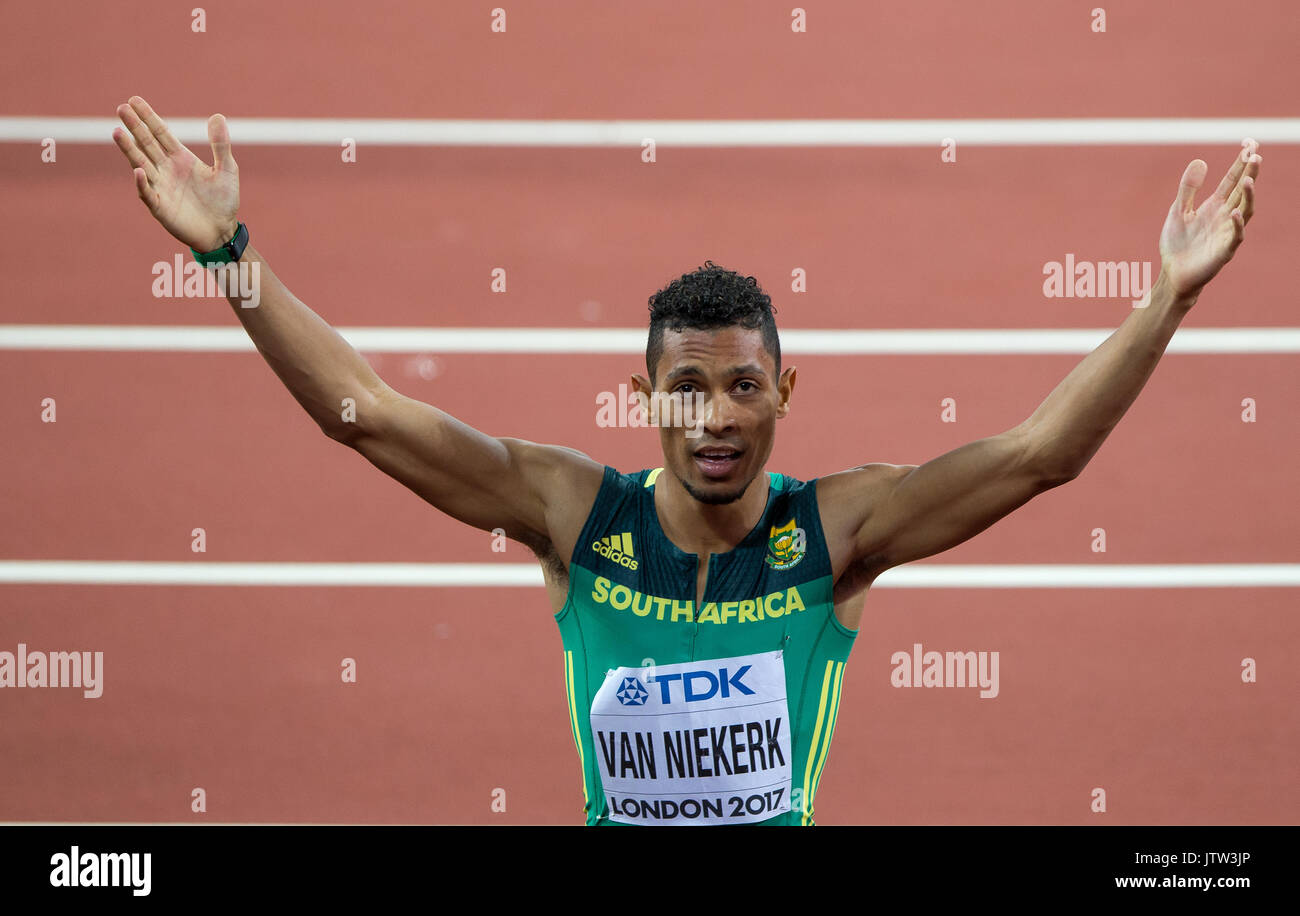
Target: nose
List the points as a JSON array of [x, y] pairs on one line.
[[718, 415]]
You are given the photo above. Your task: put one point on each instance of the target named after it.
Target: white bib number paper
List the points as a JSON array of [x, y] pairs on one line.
[[705, 742]]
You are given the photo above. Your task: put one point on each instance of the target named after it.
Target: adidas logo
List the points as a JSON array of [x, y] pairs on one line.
[[617, 548]]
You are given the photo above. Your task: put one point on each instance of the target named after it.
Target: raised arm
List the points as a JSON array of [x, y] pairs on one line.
[[535, 493], [891, 514]]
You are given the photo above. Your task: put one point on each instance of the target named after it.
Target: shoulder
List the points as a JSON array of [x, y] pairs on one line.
[[566, 481], [556, 467], [870, 480], [847, 499]]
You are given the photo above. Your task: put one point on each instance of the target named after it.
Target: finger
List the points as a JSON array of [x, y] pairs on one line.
[[1234, 174], [1252, 169], [219, 137], [1238, 231], [147, 194], [1247, 206], [155, 124], [1193, 176], [143, 135], [132, 152]]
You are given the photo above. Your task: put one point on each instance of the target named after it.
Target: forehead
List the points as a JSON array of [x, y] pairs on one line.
[[714, 350]]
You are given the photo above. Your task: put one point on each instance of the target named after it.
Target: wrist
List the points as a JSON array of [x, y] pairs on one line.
[[225, 232], [220, 235], [1178, 299], [228, 250]]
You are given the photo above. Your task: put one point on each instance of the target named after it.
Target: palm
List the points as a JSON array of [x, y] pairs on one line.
[[1196, 243], [192, 196], [194, 201]]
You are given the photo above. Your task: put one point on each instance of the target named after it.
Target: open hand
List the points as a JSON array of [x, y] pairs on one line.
[[195, 202], [1196, 243]]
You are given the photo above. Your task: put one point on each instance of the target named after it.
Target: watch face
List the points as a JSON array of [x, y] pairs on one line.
[[235, 247]]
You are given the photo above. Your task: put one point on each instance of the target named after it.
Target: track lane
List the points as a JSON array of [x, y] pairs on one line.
[[459, 693], [585, 58], [149, 446], [887, 238]]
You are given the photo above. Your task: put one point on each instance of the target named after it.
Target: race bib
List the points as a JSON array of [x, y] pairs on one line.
[[704, 742]]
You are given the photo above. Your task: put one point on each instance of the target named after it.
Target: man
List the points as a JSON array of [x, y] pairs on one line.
[[707, 608]]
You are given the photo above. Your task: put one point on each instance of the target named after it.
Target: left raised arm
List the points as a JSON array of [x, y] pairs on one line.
[[895, 514]]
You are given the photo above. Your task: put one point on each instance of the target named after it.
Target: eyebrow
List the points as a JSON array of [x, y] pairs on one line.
[[747, 369]]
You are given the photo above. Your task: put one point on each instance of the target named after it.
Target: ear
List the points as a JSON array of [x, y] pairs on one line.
[[641, 384], [784, 388], [642, 390]]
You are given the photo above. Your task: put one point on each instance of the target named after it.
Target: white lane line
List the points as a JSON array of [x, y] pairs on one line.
[[669, 133], [494, 575], [633, 340]]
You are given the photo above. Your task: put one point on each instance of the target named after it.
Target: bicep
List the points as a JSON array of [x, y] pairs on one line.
[[487, 482], [923, 510]]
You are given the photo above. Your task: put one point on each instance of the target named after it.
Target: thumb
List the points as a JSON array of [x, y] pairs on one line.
[[1193, 177], [219, 137]]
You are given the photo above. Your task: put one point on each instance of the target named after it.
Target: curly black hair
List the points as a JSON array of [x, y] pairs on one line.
[[708, 298]]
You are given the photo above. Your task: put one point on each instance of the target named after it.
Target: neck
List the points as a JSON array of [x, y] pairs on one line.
[[700, 528]]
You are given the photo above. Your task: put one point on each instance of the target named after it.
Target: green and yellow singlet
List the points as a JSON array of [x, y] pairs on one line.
[[720, 717]]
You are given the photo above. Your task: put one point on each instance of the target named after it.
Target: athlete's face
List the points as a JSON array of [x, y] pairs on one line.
[[730, 396]]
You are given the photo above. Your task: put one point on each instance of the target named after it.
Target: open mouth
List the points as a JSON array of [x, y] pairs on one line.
[[717, 461]]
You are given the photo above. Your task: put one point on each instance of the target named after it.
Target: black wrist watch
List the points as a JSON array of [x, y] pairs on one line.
[[228, 252]]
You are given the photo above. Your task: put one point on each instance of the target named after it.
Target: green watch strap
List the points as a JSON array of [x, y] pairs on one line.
[[231, 251]]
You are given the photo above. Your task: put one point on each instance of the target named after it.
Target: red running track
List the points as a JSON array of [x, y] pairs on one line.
[[459, 693]]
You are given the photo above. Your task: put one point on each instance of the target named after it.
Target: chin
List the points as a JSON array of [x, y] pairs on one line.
[[717, 497]]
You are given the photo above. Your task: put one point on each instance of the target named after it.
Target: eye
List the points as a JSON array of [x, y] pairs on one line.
[[682, 387], [752, 386]]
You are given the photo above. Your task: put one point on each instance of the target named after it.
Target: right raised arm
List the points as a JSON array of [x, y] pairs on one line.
[[535, 493], [532, 492]]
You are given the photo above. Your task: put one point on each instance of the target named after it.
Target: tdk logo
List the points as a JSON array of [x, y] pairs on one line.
[[632, 692], [695, 686], [616, 548]]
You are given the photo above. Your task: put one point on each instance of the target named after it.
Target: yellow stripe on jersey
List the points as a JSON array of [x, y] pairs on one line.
[[830, 731], [650, 481], [573, 722], [812, 750]]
